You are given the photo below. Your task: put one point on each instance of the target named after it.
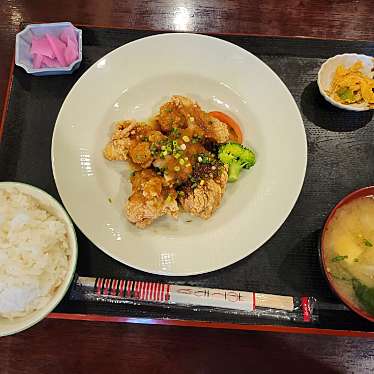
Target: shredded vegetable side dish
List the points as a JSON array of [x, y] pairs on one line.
[[352, 86]]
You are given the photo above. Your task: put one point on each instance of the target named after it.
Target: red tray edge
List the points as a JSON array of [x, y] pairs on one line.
[[4, 111], [212, 325]]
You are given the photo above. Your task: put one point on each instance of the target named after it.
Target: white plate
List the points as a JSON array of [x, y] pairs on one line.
[[131, 82]]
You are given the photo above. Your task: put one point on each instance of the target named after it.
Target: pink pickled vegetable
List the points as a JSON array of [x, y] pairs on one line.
[[69, 34], [41, 46], [37, 61], [71, 52], [51, 52], [58, 48], [49, 62]]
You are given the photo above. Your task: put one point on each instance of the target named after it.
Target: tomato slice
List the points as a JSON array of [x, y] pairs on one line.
[[234, 128]]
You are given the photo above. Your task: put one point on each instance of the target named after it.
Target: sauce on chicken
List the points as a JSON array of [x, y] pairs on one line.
[[175, 163]]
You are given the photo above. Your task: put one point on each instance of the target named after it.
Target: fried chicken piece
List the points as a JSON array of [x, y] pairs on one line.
[[119, 145], [170, 152], [131, 141], [205, 199], [182, 112], [140, 153], [215, 129], [150, 199], [170, 117]]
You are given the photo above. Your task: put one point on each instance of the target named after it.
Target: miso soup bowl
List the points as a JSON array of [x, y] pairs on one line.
[[362, 192]]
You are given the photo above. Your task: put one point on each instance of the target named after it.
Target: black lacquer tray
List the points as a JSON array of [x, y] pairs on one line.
[[340, 160]]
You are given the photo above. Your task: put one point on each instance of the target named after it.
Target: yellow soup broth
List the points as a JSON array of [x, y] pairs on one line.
[[349, 252]]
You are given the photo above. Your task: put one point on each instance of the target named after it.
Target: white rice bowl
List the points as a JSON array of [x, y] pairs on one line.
[[38, 253]]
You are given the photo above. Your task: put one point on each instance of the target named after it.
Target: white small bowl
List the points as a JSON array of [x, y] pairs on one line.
[[23, 57], [12, 326], [327, 71]]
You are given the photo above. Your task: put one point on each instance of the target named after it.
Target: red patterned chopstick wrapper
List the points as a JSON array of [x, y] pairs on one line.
[[194, 298], [170, 293]]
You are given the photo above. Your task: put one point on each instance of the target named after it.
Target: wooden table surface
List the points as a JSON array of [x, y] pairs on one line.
[[57, 346]]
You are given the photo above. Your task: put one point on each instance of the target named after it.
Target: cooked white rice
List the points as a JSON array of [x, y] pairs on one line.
[[34, 254]]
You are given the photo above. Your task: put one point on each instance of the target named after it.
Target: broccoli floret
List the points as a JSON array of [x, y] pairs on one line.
[[237, 157]]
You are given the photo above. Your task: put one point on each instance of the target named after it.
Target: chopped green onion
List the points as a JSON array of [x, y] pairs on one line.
[[175, 132], [196, 139], [368, 243], [340, 278], [338, 258]]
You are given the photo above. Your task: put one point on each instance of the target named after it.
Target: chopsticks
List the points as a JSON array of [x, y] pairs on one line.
[[192, 298]]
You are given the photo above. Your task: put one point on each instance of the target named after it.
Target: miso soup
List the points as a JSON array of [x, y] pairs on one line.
[[349, 252]]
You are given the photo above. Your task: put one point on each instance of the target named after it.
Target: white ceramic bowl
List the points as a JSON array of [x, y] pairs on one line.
[[12, 326], [132, 82], [327, 71]]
